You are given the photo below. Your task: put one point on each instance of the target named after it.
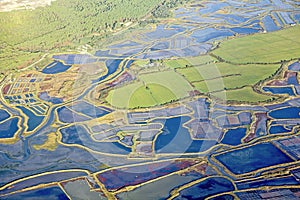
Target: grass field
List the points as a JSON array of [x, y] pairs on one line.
[[245, 94], [169, 79], [120, 97], [152, 89], [151, 95], [140, 97], [183, 62], [205, 86], [218, 76], [262, 48], [141, 63]]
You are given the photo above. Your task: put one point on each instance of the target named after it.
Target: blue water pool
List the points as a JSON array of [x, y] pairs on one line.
[[44, 96], [208, 34], [176, 139], [43, 193], [112, 66], [286, 113], [71, 59], [33, 120], [244, 30], [278, 129], [66, 115], [269, 24], [272, 182], [280, 90], [297, 18], [3, 115], [206, 188], [162, 32], [77, 134], [9, 128], [88, 109], [252, 158], [55, 68], [295, 67], [234, 136]]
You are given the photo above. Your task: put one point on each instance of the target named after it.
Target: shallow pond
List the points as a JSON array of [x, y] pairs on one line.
[[286, 113], [33, 120], [253, 158], [9, 128], [55, 68], [280, 90], [176, 139], [43, 193], [206, 188], [234, 136]]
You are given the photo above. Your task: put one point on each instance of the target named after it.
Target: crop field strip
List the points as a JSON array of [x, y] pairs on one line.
[[262, 48], [150, 91]]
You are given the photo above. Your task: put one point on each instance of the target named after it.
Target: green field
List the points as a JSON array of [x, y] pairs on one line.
[[139, 97], [151, 95], [219, 76], [193, 74], [153, 89], [169, 79], [245, 94], [184, 62], [262, 48]]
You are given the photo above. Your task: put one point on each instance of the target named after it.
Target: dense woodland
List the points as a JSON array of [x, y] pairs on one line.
[[163, 10], [27, 34]]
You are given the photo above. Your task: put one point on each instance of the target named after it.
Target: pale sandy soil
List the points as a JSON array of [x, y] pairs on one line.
[[9, 5]]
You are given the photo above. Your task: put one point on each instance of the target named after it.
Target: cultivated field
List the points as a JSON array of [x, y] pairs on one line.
[[262, 48], [245, 94], [220, 76], [151, 90], [189, 61]]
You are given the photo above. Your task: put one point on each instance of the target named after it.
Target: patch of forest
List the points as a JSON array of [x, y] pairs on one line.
[[26, 34]]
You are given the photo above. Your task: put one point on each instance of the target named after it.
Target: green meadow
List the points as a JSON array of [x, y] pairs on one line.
[[246, 94], [219, 76], [262, 48], [151, 90]]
